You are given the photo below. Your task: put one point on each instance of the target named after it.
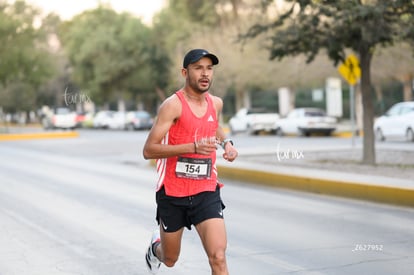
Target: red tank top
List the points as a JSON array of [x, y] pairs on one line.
[[189, 174]]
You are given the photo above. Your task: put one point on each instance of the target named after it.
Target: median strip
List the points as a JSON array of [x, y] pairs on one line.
[[29, 136]]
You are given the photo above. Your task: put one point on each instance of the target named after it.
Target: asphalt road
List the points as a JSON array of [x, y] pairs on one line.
[[86, 206]]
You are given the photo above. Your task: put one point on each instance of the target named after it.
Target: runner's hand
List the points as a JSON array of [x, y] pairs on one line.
[[230, 153]]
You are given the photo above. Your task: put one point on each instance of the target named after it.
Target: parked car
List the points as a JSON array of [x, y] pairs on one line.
[[138, 120], [117, 121], [306, 121], [253, 121], [58, 118], [102, 119], [397, 122], [64, 118]]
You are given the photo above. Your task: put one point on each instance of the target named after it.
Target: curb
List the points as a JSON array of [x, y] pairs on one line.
[[362, 191], [29, 136], [342, 134]]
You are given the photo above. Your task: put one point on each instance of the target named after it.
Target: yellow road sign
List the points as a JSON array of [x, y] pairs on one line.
[[350, 70]]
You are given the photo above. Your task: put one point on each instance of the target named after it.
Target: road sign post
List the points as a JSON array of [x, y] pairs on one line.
[[351, 72], [352, 110]]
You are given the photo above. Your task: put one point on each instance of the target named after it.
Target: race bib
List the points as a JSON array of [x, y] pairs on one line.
[[193, 168]]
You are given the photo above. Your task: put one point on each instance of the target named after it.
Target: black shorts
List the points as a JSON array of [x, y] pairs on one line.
[[176, 212]]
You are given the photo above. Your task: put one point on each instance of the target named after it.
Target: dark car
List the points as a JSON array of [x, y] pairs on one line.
[[139, 120]]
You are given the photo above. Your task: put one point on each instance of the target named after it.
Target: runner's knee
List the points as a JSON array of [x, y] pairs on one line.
[[170, 261], [218, 258]]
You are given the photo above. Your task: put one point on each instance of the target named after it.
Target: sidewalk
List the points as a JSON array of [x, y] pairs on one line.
[[262, 167]]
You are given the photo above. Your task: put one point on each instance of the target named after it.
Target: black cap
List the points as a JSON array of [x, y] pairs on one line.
[[196, 54]]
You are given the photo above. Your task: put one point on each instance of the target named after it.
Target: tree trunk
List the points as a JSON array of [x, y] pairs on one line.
[[160, 93], [239, 99], [368, 113], [408, 87]]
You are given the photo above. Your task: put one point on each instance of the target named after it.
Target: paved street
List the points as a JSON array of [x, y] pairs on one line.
[[86, 206]]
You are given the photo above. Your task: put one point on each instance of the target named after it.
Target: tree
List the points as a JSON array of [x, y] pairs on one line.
[[208, 24], [395, 62], [109, 53], [308, 26], [25, 62], [172, 29]]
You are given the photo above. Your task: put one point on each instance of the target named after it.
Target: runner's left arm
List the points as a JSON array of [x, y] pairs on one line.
[[230, 153]]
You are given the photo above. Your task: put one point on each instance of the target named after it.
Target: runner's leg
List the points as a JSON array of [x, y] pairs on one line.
[[169, 249], [212, 233]]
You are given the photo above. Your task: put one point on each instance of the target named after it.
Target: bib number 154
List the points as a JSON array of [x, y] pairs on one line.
[[193, 168]]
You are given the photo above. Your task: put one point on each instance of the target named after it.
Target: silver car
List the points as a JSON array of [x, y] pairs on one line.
[[306, 121], [397, 122], [138, 120]]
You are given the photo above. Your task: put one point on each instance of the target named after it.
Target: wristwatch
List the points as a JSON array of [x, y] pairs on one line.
[[224, 142]]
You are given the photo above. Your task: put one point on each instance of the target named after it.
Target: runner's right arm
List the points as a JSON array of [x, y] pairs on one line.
[[168, 113]]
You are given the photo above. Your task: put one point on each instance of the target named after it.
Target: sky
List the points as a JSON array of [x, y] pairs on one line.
[[144, 9]]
